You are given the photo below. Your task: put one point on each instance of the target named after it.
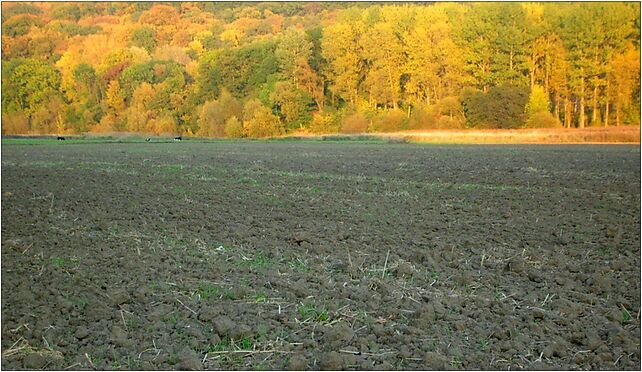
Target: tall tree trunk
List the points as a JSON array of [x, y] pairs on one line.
[[532, 68], [557, 106], [582, 113], [546, 77], [568, 115], [595, 91], [617, 114], [606, 109], [595, 109], [582, 102], [393, 91]]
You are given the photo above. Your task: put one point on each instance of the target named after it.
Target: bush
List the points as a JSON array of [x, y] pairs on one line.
[[423, 117], [213, 115], [537, 101], [542, 119], [14, 123], [233, 128], [447, 122], [259, 120], [107, 124], [47, 118], [389, 121], [164, 124], [324, 122], [445, 114], [502, 107], [354, 123]]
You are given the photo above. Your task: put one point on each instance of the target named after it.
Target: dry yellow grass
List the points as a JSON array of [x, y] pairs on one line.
[[625, 134]]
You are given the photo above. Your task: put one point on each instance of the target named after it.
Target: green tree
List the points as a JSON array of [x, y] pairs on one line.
[[233, 128], [343, 51], [502, 107], [144, 37], [27, 85], [293, 53], [625, 77], [292, 104], [259, 120], [67, 11], [492, 36], [213, 115], [385, 56], [20, 25], [241, 71], [19, 8], [537, 109], [435, 63]]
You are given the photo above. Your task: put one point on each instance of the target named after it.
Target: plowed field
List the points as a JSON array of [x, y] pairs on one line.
[[293, 255]]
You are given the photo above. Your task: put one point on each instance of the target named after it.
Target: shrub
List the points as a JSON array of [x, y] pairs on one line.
[[214, 114], [233, 128], [107, 124], [14, 123], [423, 117], [542, 119], [47, 118], [502, 107], [259, 120], [164, 124], [537, 101], [389, 121], [354, 123], [447, 122], [324, 122]]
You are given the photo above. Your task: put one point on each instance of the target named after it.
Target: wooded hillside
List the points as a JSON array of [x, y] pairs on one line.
[[263, 69]]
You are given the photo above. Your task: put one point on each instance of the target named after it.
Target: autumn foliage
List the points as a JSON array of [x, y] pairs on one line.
[[266, 69]]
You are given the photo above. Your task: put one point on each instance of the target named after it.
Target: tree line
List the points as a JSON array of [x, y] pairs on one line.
[[264, 69]]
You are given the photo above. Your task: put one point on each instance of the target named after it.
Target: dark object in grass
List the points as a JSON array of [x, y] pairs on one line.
[[59, 138], [148, 139], [179, 138]]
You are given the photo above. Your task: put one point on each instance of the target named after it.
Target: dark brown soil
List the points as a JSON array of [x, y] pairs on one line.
[[264, 255]]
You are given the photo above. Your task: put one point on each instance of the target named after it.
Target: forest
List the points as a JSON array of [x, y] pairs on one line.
[[266, 69]]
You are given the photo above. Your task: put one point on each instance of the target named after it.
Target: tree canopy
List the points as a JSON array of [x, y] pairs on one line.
[[262, 69]]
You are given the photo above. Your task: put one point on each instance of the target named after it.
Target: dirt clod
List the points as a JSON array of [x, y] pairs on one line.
[[435, 361], [34, 361], [240, 331], [119, 297], [119, 337], [81, 332], [223, 325], [404, 269], [384, 366], [298, 363], [208, 314], [190, 361], [331, 361], [339, 333]]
